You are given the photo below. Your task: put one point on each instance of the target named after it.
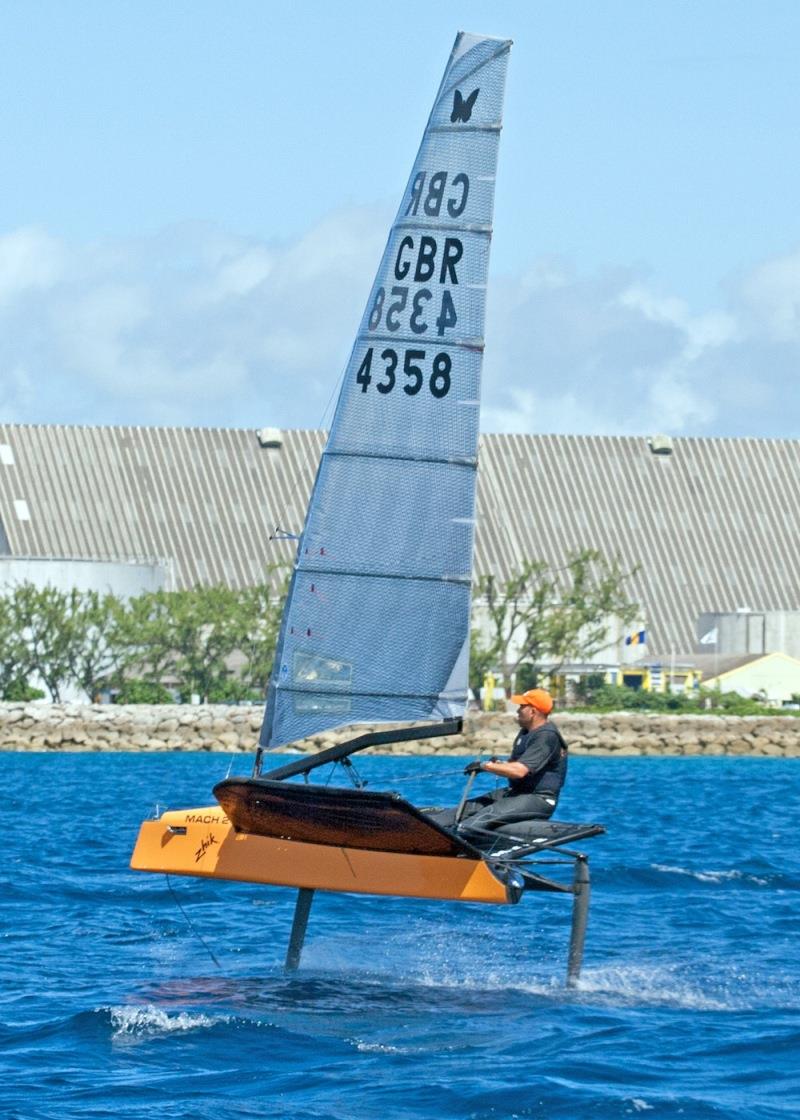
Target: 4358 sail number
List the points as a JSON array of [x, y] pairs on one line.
[[412, 369]]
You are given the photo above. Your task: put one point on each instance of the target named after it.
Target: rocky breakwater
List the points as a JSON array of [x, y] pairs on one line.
[[221, 727], [131, 727], [621, 733], [624, 733]]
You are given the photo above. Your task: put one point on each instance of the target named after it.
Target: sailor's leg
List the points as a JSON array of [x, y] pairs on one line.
[[447, 817], [511, 809]]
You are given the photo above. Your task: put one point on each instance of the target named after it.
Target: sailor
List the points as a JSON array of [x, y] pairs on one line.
[[536, 771]]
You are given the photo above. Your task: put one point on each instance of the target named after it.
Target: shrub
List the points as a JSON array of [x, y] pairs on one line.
[[20, 690], [611, 698], [527, 676], [731, 703], [233, 691], [143, 692]]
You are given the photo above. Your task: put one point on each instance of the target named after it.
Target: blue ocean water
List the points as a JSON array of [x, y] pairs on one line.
[[688, 1004]]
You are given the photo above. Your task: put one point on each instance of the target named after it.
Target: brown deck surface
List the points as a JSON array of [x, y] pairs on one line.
[[347, 818]]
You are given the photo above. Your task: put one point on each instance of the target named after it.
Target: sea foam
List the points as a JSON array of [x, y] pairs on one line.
[[139, 1022]]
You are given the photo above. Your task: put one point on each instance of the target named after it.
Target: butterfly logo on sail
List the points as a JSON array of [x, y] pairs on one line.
[[462, 107]]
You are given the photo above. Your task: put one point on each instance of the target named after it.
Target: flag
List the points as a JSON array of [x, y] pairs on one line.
[[637, 639]]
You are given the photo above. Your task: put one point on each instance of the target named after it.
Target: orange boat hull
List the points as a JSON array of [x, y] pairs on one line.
[[203, 842]]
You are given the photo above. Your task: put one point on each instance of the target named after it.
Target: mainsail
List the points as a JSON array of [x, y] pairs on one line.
[[376, 624]]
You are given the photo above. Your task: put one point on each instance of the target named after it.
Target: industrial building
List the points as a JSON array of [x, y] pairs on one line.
[[710, 526]]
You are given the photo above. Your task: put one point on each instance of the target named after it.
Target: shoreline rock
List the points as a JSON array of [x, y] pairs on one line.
[[220, 727]]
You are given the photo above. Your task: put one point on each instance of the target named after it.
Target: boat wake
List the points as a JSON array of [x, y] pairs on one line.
[[653, 986], [617, 985], [729, 875], [488, 986], [451, 969]]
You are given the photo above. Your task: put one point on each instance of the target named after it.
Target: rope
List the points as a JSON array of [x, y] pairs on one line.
[[424, 777], [190, 923]]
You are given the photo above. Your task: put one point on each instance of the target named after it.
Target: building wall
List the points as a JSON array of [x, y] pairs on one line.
[[709, 528], [124, 580], [776, 676], [748, 631]]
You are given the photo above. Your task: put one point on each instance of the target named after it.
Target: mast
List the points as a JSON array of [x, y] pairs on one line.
[[376, 623]]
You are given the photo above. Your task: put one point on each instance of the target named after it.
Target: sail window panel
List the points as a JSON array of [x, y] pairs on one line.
[[396, 637], [391, 517], [354, 646], [308, 715], [418, 426]]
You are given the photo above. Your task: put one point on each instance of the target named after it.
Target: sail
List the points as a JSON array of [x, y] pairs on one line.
[[376, 624]]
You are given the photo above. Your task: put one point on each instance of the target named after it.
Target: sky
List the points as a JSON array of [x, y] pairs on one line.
[[194, 198]]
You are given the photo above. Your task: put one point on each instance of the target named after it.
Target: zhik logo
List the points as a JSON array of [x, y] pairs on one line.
[[462, 107]]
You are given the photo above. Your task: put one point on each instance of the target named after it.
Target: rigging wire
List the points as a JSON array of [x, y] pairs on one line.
[[191, 924], [349, 766], [423, 777], [359, 782], [391, 780]]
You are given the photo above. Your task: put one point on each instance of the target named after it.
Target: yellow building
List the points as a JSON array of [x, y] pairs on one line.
[[774, 677], [658, 677]]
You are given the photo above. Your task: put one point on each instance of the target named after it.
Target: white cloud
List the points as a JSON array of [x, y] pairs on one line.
[[610, 354], [244, 272], [199, 326], [193, 326], [769, 298], [17, 395], [29, 259]]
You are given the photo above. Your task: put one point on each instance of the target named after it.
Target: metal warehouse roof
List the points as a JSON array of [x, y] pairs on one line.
[[712, 527]]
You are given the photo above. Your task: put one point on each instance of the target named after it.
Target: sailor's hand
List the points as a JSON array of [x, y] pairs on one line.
[[474, 767]]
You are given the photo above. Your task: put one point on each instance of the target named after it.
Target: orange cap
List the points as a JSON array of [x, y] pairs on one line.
[[537, 698]]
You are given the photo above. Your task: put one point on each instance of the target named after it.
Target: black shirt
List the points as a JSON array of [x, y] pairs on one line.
[[544, 752]]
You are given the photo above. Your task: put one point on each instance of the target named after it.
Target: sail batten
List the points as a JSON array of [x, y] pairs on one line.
[[446, 227], [321, 692], [466, 128], [455, 343], [392, 575], [451, 461], [376, 624]]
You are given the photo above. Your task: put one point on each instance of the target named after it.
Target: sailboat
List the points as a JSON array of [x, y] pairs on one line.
[[375, 628]]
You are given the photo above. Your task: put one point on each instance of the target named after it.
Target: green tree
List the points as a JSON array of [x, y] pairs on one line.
[[46, 620], [482, 659], [144, 638], [213, 641], [208, 627], [15, 666], [98, 647], [262, 606], [187, 637], [65, 637], [547, 616]]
